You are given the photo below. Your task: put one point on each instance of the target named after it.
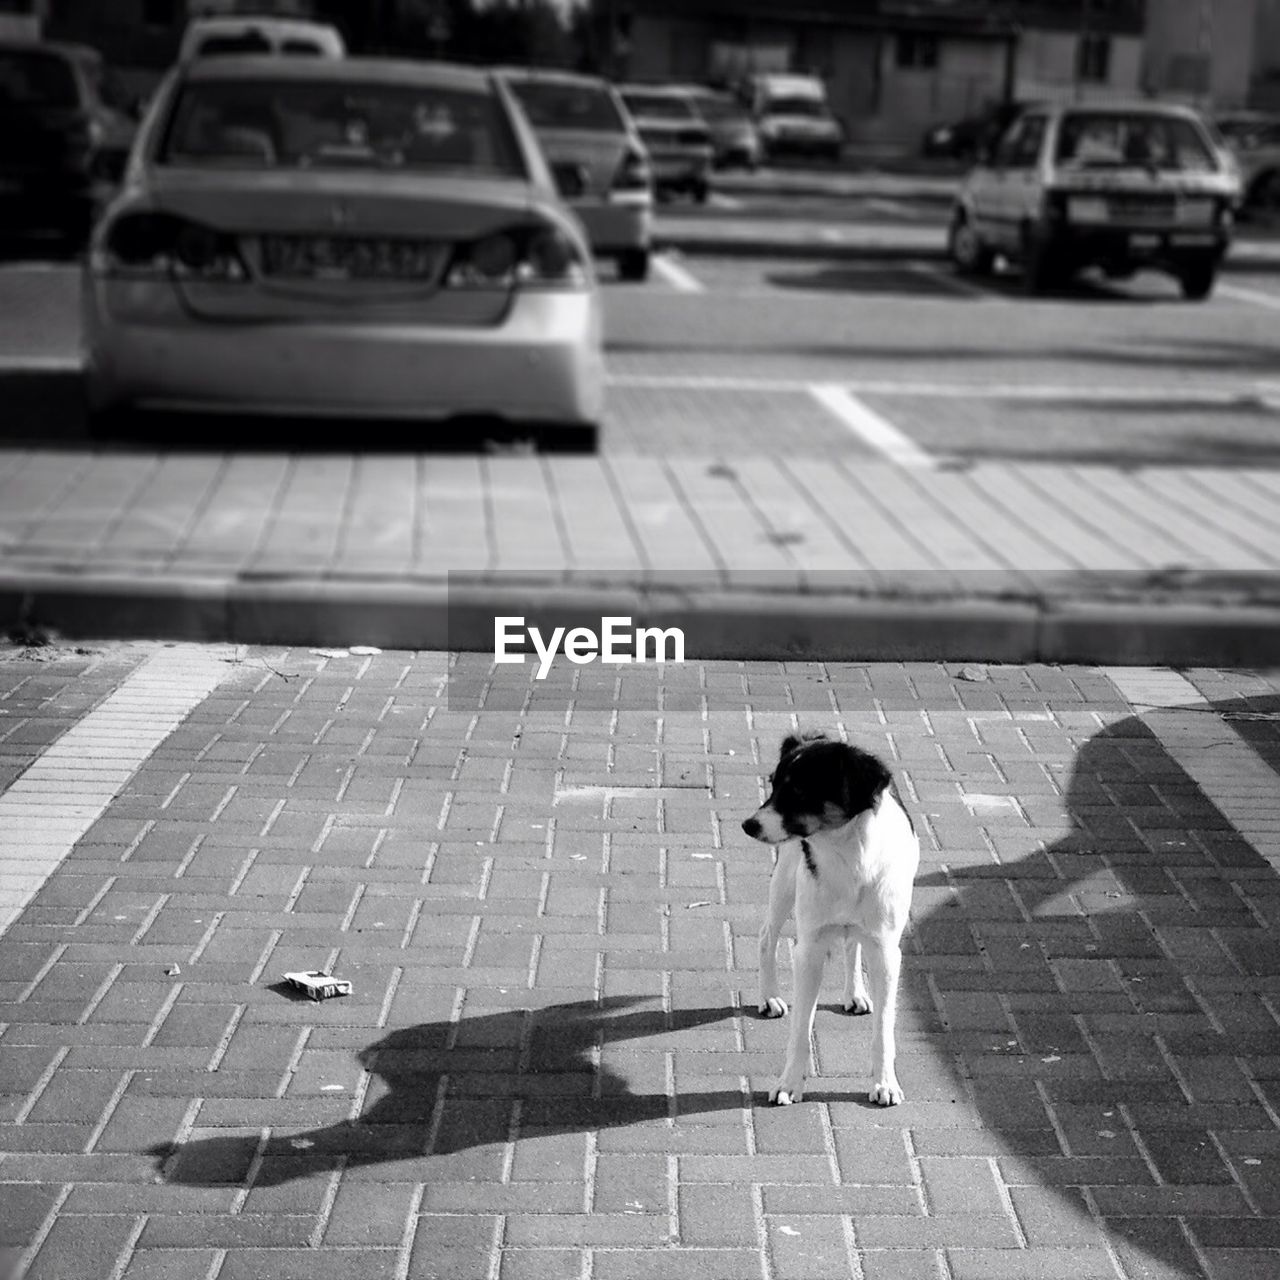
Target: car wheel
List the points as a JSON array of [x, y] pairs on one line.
[[1041, 272], [700, 189], [1264, 193], [967, 249], [1196, 280], [633, 264]]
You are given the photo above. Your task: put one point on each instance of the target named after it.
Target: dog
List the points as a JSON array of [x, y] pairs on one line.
[[846, 862]]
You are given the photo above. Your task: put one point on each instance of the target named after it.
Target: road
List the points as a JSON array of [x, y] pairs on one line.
[[838, 355]]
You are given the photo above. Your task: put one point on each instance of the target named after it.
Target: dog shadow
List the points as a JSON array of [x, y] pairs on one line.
[[439, 1089]]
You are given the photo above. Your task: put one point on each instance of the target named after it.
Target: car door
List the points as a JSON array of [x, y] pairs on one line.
[[1015, 166], [988, 197]]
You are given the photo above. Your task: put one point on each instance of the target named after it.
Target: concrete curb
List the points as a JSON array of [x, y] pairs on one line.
[[717, 624]]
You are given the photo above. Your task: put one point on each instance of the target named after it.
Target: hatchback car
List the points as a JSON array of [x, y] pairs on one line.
[[64, 136], [1117, 187], [229, 33], [585, 130], [354, 238], [735, 141], [675, 136]]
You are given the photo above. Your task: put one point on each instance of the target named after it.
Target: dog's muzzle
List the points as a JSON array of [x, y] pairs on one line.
[[752, 827]]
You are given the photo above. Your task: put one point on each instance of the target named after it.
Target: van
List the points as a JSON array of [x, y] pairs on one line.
[[793, 116], [234, 33]]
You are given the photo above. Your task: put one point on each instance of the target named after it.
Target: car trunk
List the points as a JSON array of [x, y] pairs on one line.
[[600, 154], [350, 245]]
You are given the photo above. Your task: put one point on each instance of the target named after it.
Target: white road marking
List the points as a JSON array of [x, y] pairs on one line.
[[718, 200], [877, 432], [39, 364], [1209, 751], [1048, 392], [884, 205], [68, 788], [678, 277], [1255, 296]]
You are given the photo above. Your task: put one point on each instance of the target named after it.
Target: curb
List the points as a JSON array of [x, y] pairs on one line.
[[717, 624]]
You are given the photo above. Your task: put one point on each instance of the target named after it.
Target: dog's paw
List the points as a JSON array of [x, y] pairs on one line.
[[887, 1095], [857, 1005], [773, 1007], [781, 1097]]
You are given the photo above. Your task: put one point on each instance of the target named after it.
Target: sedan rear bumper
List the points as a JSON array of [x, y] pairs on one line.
[[543, 363]]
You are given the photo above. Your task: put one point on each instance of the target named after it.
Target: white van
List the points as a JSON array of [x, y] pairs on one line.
[[231, 33], [792, 115]]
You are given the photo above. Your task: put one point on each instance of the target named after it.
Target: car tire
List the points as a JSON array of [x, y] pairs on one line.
[[1196, 279], [700, 189], [1040, 272], [966, 249], [633, 265]]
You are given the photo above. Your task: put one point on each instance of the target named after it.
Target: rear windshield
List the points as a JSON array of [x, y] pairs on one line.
[[795, 107], [34, 79], [721, 109], [659, 106], [1109, 140], [298, 124], [568, 106]]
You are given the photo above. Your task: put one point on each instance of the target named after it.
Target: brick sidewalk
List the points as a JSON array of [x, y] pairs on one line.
[[550, 1066]]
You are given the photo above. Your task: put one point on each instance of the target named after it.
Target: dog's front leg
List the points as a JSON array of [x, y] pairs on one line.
[[782, 894], [810, 956], [855, 999], [884, 961]]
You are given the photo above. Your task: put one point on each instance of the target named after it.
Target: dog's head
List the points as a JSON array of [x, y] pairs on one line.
[[819, 784]]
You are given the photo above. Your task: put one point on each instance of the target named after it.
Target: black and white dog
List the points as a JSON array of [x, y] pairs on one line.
[[846, 862]]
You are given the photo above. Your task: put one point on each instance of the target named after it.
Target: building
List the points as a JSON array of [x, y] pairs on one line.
[[1218, 53], [893, 66]]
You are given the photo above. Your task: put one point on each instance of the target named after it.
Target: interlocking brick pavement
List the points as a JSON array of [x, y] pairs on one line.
[[551, 1066]]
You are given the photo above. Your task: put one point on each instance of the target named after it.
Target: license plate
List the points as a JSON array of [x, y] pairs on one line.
[[1189, 240], [1144, 242], [349, 258]]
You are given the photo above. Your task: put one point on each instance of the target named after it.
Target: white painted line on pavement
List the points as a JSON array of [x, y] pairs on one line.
[[39, 822], [1209, 751], [678, 277], [1255, 296], [883, 204], [1204, 395], [10, 363], [718, 200], [873, 430]]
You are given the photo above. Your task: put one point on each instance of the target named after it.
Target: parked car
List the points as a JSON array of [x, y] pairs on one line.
[[793, 116], [242, 33], [347, 237], [64, 136], [1119, 187], [598, 158], [966, 138], [735, 140], [675, 136], [1253, 138]]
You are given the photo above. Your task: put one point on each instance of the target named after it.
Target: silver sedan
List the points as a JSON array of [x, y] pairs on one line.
[[343, 238]]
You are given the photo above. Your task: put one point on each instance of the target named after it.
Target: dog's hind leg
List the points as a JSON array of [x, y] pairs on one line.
[[884, 961], [782, 894], [855, 998]]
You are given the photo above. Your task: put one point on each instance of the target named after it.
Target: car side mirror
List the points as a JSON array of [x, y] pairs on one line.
[[570, 179]]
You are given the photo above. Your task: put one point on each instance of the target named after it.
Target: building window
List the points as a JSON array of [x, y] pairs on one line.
[[1093, 59], [159, 13], [918, 52]]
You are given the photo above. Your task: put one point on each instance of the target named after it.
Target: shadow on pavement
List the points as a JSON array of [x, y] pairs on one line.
[[1093, 1015]]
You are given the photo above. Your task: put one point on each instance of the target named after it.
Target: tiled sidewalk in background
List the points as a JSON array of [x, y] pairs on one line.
[[551, 1066]]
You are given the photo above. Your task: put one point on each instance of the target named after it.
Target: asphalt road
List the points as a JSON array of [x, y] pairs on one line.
[[845, 356]]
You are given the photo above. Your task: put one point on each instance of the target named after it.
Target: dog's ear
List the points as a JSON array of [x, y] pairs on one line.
[[793, 741], [866, 778]]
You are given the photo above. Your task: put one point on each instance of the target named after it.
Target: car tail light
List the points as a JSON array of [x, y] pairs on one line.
[[162, 244], [633, 173], [542, 257]]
